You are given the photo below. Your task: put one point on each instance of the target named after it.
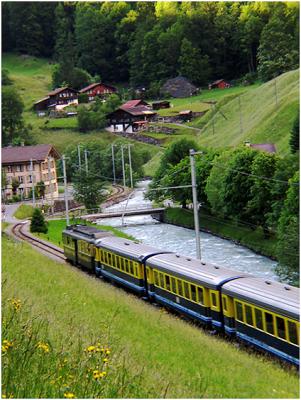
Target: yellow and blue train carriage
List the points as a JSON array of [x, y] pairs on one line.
[[123, 261], [78, 242], [264, 314], [189, 286]]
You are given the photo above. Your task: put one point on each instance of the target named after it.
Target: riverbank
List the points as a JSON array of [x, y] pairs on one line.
[[226, 229]]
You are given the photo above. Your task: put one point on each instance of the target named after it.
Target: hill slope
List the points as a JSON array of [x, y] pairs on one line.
[[257, 118], [175, 359]]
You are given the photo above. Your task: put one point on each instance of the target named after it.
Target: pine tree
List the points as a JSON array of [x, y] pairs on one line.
[[38, 223]]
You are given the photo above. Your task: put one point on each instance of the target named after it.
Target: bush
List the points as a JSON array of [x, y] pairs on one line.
[[83, 98], [38, 223]]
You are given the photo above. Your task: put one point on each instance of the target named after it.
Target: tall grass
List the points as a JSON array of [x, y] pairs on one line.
[[24, 211], [153, 354]]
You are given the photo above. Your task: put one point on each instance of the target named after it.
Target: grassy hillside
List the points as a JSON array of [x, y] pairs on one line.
[[261, 120], [158, 354]]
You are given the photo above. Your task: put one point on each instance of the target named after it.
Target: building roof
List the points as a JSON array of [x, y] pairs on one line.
[[93, 85], [218, 81], [185, 112], [133, 103], [139, 110], [20, 154], [42, 100], [59, 90], [268, 147], [178, 87]]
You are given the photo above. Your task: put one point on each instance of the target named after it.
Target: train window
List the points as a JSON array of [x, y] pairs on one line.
[[269, 321], [126, 265], [131, 267], [110, 258], [225, 303], [113, 260], [239, 311], [173, 285], [186, 290], [156, 278], [292, 331], [214, 299], [280, 327], [258, 319], [161, 277], [180, 287], [193, 292], [118, 262], [167, 282], [249, 315], [106, 257], [200, 295]]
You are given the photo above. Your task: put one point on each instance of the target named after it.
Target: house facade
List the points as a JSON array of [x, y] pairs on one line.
[[29, 165], [130, 117], [57, 100], [98, 90]]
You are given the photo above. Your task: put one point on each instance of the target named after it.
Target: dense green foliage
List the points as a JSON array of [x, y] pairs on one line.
[[152, 41], [243, 185], [88, 189], [38, 223], [295, 135]]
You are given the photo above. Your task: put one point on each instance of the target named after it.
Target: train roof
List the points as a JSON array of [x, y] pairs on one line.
[[127, 248], [277, 297], [84, 232], [195, 270]]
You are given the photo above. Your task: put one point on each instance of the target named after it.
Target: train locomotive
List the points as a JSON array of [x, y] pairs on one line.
[[262, 313]]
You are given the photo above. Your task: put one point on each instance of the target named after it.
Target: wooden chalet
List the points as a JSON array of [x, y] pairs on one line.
[[57, 99], [130, 117], [219, 84], [185, 115], [158, 105], [98, 90]]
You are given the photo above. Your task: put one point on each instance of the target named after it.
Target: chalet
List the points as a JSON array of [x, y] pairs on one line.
[[178, 87], [130, 117], [57, 99], [185, 115], [16, 164], [158, 105], [98, 90], [219, 84]]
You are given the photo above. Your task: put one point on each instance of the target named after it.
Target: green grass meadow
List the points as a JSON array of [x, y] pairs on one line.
[[24, 211], [53, 314]]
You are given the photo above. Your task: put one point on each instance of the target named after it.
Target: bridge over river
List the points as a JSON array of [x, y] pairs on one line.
[[126, 212]]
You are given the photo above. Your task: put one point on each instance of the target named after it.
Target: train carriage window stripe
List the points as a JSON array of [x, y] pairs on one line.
[[292, 331], [193, 292], [180, 288], [269, 322], [239, 311], [173, 285], [258, 319], [200, 295], [249, 315], [167, 282], [280, 324]]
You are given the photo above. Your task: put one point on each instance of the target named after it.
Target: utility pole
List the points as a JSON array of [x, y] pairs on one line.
[[123, 169], [86, 160], [79, 159], [276, 97], [50, 184], [113, 163], [66, 190], [192, 153], [240, 115], [130, 162], [32, 181]]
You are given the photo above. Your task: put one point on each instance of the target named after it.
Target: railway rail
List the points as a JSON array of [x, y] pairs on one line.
[[18, 232]]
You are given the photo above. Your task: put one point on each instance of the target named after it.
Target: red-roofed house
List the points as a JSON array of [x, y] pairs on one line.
[[98, 89], [16, 163], [220, 84], [135, 103]]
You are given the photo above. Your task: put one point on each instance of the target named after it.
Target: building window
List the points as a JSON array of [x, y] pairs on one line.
[[19, 168], [20, 179], [9, 168]]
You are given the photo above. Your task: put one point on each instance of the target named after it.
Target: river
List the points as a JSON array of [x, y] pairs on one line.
[[181, 240]]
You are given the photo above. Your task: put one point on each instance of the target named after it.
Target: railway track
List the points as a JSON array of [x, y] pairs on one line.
[[18, 232]]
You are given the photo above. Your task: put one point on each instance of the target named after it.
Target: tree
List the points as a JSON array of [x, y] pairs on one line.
[[193, 65], [5, 78], [295, 135], [260, 204], [288, 233], [12, 108], [88, 189], [90, 119], [38, 223], [40, 189]]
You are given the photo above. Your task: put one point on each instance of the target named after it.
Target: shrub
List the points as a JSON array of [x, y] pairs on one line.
[[38, 223]]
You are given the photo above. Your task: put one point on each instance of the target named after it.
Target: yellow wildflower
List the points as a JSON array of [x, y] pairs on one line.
[[69, 395], [105, 360], [6, 344], [16, 303], [98, 374], [43, 346], [90, 349]]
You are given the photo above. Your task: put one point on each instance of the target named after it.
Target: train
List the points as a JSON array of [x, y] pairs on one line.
[[261, 313]]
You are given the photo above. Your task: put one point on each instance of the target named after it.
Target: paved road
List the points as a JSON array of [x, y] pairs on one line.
[[10, 209]]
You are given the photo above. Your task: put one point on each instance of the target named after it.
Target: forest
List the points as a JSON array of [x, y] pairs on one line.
[[144, 43]]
